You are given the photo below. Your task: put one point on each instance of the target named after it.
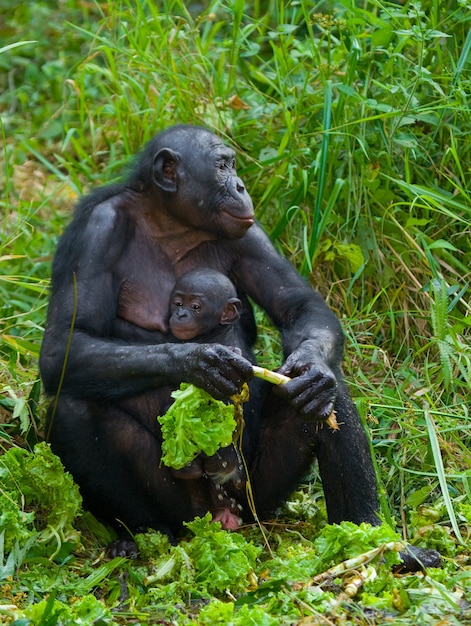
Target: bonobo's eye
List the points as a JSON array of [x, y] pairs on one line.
[[177, 302], [226, 163], [196, 306]]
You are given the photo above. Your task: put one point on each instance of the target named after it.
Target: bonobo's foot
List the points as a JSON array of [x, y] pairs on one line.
[[417, 559], [227, 519], [124, 546]]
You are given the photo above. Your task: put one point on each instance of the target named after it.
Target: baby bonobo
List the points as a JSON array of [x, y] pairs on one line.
[[204, 308]]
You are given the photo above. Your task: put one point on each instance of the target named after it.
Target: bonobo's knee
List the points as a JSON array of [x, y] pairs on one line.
[[192, 470]]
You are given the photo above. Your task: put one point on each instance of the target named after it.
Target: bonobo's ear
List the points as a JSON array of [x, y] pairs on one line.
[[231, 311], [164, 171]]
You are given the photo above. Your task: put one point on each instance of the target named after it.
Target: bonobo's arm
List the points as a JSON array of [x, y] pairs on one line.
[[97, 365], [311, 333]]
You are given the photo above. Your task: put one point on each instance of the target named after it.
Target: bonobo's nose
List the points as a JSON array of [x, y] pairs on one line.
[[240, 185]]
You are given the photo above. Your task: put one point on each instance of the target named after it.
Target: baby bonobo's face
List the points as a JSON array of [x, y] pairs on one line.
[[201, 302]]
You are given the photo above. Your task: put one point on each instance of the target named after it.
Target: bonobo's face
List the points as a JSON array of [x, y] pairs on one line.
[[202, 301], [200, 172], [231, 207], [191, 314]]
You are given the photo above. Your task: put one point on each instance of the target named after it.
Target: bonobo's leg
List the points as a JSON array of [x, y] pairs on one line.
[[278, 454], [287, 446], [224, 466], [116, 462], [349, 481], [221, 467], [346, 468]]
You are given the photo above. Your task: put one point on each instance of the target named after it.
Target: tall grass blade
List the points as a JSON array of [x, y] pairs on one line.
[[321, 179], [437, 199], [465, 53], [437, 457]]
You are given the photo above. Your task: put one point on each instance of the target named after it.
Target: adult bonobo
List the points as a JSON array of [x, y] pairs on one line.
[[107, 354]]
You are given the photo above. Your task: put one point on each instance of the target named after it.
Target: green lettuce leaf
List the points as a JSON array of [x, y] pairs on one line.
[[221, 560], [195, 423], [37, 496]]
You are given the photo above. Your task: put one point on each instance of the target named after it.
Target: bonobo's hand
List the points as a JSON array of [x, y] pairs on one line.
[[219, 370], [313, 389]]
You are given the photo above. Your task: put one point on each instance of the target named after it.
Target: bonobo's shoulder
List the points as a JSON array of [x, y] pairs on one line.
[[106, 217], [99, 227], [103, 212]]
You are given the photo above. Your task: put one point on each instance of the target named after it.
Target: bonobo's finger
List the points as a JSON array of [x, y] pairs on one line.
[[210, 379], [234, 366], [298, 363], [228, 368], [320, 407], [218, 370], [313, 393], [311, 403]]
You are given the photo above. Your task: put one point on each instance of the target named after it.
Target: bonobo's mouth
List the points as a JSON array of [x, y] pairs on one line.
[[183, 334], [247, 219]]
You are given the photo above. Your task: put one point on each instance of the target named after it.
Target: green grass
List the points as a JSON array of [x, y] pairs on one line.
[[352, 125]]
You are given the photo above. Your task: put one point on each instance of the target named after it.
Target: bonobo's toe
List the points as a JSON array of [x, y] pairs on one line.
[[416, 559], [123, 547]]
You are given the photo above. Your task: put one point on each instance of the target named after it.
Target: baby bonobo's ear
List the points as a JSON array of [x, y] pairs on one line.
[[231, 312]]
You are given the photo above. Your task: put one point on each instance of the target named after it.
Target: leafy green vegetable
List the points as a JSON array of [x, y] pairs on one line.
[[211, 562], [152, 543], [221, 559], [51, 612], [37, 496], [339, 542], [222, 613], [195, 423]]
